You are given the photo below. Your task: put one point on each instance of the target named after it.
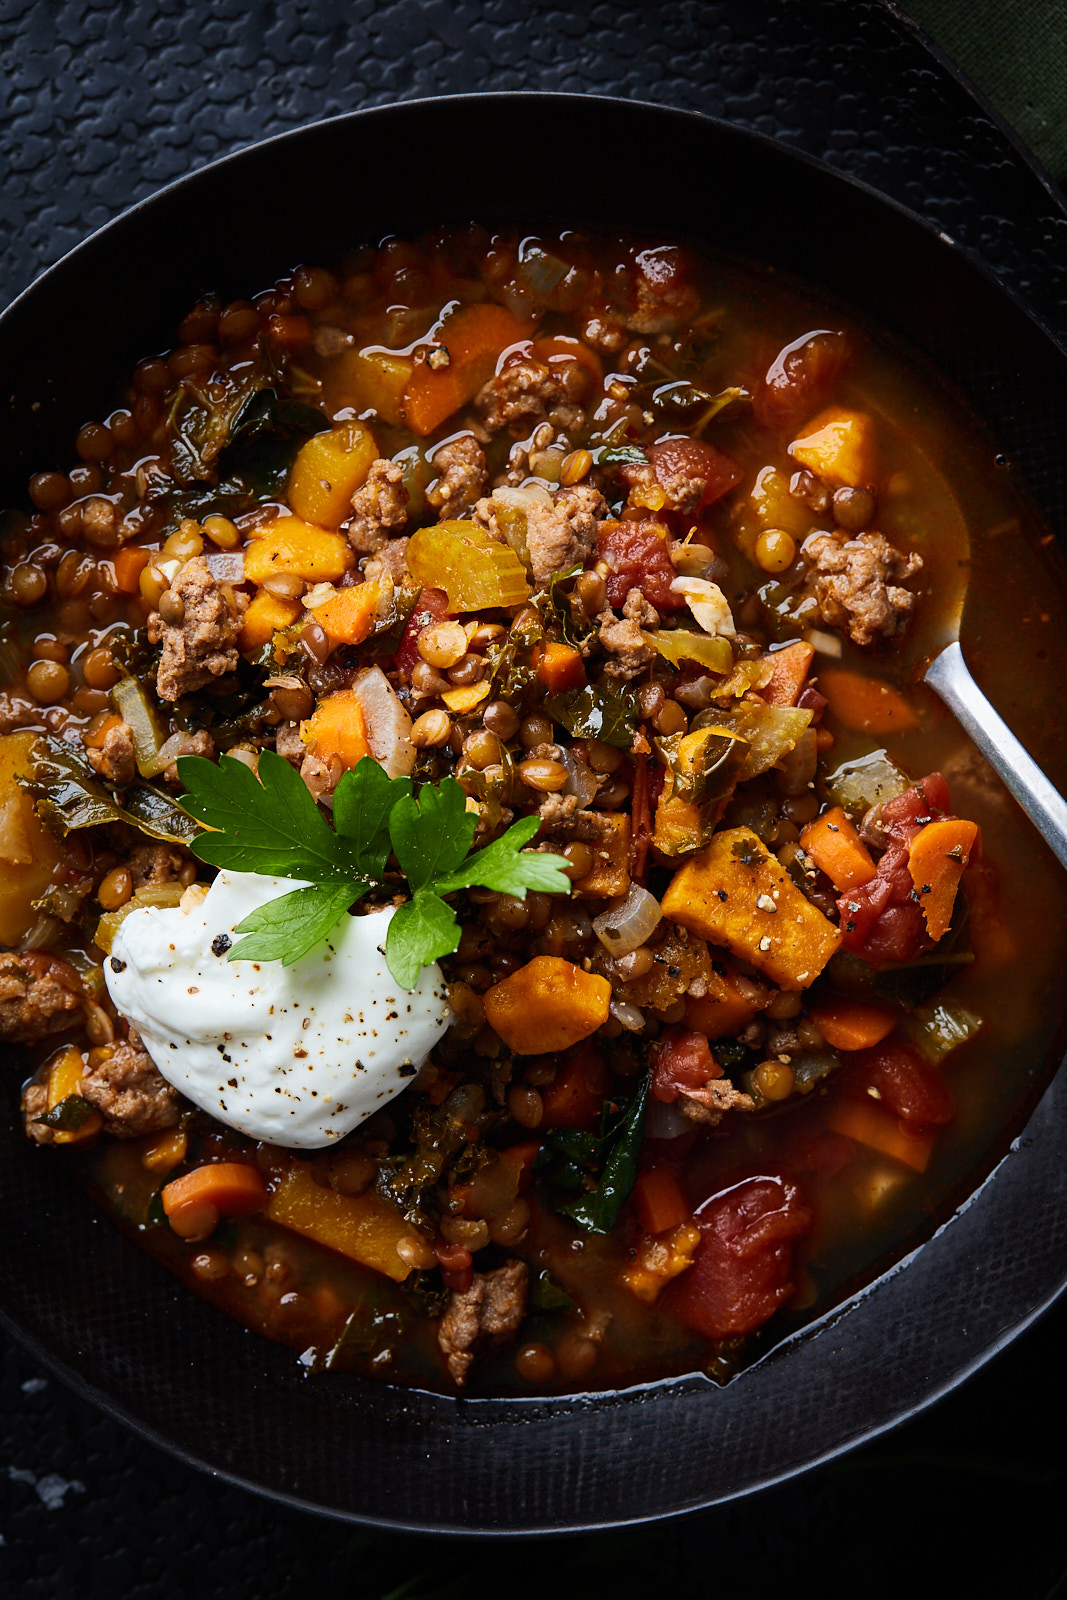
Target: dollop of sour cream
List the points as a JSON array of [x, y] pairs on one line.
[[294, 1055]]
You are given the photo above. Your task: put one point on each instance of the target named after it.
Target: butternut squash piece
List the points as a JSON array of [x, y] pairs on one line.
[[28, 852], [64, 1079], [371, 380], [724, 1010], [328, 470], [839, 447], [548, 1005], [362, 1227], [266, 614], [735, 893], [290, 545], [611, 874], [337, 728]]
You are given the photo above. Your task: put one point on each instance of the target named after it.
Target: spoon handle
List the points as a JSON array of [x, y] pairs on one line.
[[948, 675]]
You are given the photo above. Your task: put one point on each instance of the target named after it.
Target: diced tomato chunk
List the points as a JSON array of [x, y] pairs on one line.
[[801, 378], [682, 1061], [903, 1083], [742, 1269], [430, 607], [638, 556], [692, 458], [881, 920]]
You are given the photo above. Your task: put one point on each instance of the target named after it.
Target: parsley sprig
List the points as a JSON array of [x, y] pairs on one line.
[[270, 824]]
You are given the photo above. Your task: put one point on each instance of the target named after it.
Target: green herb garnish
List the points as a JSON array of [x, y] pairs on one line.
[[269, 824], [573, 1158]]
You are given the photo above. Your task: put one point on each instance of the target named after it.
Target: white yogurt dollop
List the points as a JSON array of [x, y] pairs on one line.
[[295, 1055]]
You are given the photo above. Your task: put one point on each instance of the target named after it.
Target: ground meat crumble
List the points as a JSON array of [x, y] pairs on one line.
[[203, 645], [487, 1313], [462, 477], [126, 1086], [379, 508], [39, 995], [856, 583]]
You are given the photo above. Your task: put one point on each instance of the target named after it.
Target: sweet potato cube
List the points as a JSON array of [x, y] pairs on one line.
[[548, 1005], [338, 728], [839, 448], [265, 615], [348, 617], [735, 893], [290, 545], [328, 470], [611, 874], [362, 1227], [370, 380]]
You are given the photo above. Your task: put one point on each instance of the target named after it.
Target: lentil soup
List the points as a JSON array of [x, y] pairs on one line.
[[646, 553]]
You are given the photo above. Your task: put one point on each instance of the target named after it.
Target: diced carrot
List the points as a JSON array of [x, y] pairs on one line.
[[474, 336], [723, 1011], [869, 1124], [337, 728], [574, 1098], [363, 1227], [867, 704], [789, 671], [561, 667], [659, 1200], [266, 614], [547, 1005], [128, 564], [824, 740], [234, 1188], [837, 849], [936, 858], [349, 616], [849, 1024]]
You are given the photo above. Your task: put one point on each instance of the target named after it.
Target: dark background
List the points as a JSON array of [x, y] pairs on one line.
[[104, 103]]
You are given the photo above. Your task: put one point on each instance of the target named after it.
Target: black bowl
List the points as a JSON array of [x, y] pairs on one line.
[[109, 1320]]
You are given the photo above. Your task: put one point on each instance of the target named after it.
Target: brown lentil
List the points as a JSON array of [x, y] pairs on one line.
[[172, 608], [581, 859], [442, 644], [670, 719], [548, 777], [535, 1363], [853, 509], [535, 730], [47, 681], [524, 1105], [94, 442], [115, 889], [501, 719], [431, 729], [50, 491], [467, 670], [28, 584], [774, 1080], [99, 669], [425, 680], [482, 749]]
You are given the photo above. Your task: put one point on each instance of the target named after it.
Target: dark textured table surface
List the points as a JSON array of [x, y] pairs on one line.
[[104, 103]]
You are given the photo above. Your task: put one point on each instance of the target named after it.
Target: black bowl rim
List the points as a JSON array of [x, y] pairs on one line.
[[1046, 1108]]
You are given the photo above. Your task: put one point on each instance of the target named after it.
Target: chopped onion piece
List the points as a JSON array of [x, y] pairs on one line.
[[163, 757], [628, 923], [632, 1018], [681, 644], [581, 779], [388, 724], [666, 1121], [227, 566], [708, 604], [824, 644]]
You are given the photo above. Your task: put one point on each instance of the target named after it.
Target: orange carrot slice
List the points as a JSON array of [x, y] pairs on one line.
[[867, 704], [937, 857], [232, 1187], [474, 336], [837, 849], [659, 1200], [789, 671], [849, 1024], [561, 667], [880, 1130]]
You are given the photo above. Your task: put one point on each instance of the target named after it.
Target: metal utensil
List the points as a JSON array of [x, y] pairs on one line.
[[949, 676]]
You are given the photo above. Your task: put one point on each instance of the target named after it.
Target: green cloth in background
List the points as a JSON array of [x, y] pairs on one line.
[[1015, 52]]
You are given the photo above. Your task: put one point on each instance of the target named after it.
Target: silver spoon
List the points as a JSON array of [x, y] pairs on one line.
[[948, 676]]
